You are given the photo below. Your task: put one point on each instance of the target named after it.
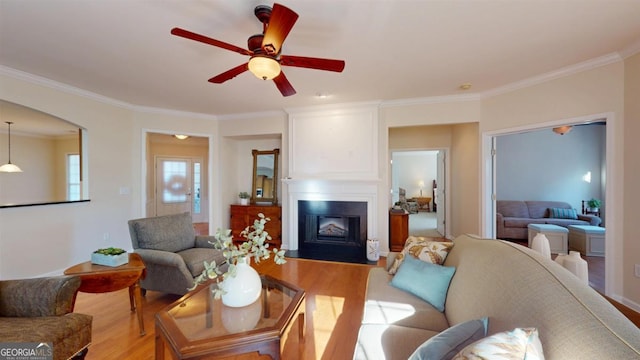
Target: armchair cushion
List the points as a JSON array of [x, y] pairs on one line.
[[40, 310], [194, 258], [171, 233]]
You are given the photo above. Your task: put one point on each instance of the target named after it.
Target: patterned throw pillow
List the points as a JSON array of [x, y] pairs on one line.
[[560, 213], [519, 343], [424, 248]]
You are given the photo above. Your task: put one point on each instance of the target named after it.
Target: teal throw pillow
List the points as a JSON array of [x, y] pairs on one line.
[[427, 281], [448, 343], [560, 213]]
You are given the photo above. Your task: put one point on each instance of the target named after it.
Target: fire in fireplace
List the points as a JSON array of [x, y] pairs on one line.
[[332, 230]]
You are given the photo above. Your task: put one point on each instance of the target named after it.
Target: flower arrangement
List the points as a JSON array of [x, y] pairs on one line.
[[255, 246], [593, 203], [243, 195]]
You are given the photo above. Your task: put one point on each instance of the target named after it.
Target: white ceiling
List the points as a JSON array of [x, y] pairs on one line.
[[394, 50]]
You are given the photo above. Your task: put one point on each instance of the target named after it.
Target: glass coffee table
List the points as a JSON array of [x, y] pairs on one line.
[[198, 326]]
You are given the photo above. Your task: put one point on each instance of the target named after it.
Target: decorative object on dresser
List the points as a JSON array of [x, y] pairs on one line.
[[244, 198], [398, 230], [243, 216]]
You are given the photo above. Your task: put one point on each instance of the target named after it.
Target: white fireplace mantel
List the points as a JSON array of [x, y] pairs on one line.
[[329, 190]]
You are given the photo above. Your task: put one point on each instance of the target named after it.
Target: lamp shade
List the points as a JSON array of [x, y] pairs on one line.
[[263, 67], [10, 168], [562, 129]]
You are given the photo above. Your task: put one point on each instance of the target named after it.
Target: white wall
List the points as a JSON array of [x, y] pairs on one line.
[[542, 165]]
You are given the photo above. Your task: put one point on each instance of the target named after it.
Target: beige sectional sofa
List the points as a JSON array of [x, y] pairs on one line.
[[511, 285], [513, 217]]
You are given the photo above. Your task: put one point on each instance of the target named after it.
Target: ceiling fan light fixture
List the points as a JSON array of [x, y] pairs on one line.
[[562, 129], [181, 137], [264, 67]]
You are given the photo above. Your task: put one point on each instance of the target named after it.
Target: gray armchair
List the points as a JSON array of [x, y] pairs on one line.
[[172, 253], [40, 310]]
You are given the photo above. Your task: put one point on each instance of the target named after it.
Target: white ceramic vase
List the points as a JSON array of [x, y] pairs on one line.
[[244, 288], [244, 201], [540, 243], [577, 266]]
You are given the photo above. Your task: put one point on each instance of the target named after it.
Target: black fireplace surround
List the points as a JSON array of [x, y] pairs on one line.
[[332, 230]]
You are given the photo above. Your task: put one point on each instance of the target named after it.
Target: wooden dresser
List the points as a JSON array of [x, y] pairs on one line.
[[398, 230], [244, 215]]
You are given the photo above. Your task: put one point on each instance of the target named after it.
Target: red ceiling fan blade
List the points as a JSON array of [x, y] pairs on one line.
[[229, 74], [281, 21], [284, 85], [207, 40], [312, 63]]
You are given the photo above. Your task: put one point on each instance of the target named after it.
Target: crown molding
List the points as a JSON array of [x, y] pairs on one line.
[[630, 50], [431, 100], [556, 74], [252, 115], [55, 85], [170, 112], [68, 89]]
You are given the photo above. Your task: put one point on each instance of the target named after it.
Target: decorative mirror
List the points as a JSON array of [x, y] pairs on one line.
[[265, 176], [50, 153]]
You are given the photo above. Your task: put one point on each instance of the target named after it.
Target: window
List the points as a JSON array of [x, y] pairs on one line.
[[73, 177], [196, 187]]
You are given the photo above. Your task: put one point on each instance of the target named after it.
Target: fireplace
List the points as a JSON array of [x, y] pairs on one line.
[[332, 230]]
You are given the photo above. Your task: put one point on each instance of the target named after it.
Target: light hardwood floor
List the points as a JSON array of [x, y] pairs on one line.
[[334, 305]]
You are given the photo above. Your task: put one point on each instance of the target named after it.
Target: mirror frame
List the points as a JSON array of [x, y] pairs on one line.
[[254, 198]]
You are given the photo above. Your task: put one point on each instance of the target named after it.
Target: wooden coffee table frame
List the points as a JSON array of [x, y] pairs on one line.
[[265, 341], [102, 279]]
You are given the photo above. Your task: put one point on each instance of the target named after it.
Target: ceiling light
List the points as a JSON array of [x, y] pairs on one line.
[[9, 167], [465, 86], [181, 137], [264, 67], [562, 129]]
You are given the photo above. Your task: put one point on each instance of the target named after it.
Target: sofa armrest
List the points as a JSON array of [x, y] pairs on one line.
[[592, 219], [48, 296], [499, 225], [159, 257], [203, 241]]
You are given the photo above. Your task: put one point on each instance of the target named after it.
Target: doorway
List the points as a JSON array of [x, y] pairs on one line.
[[421, 176], [176, 177], [610, 164]]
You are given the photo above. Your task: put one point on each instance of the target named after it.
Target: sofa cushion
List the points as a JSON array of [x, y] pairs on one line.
[[425, 280], [384, 304], [512, 208], [448, 343], [424, 248], [560, 213], [381, 342], [171, 233], [540, 209], [521, 222], [520, 343]]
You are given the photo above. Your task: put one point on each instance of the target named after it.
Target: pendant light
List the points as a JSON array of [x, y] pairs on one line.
[[9, 167]]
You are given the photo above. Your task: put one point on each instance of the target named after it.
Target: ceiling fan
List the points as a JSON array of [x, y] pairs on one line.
[[264, 50]]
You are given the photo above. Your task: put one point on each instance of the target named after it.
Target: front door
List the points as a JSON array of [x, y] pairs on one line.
[[173, 185]]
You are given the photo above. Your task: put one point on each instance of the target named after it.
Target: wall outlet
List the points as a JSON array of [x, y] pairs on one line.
[[637, 270]]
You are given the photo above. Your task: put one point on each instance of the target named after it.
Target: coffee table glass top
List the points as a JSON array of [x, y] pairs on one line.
[[199, 316]]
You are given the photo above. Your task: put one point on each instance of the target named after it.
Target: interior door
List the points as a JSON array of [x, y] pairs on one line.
[[173, 185], [440, 192]]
